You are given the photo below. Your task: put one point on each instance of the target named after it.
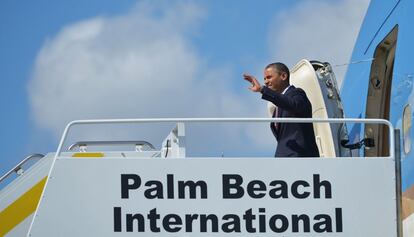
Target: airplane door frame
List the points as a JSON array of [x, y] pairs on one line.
[[379, 94]]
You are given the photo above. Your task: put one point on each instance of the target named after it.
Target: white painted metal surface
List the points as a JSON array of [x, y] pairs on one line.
[[84, 196], [71, 178], [19, 186], [173, 145], [408, 225], [303, 75]]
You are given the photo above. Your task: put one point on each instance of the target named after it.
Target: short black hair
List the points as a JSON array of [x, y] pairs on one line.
[[280, 67]]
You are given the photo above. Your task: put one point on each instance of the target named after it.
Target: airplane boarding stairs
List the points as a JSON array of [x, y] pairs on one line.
[[124, 193]]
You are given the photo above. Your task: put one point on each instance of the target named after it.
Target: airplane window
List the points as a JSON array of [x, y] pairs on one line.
[[406, 126]]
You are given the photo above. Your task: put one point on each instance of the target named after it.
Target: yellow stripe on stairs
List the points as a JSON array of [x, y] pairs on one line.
[[20, 209]]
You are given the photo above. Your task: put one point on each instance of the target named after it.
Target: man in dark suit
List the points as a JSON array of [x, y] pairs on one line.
[[294, 139]]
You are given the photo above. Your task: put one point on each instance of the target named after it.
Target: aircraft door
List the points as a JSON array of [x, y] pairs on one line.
[[379, 94], [319, 83]]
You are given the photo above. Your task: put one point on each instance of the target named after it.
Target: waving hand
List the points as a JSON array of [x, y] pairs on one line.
[[255, 85]]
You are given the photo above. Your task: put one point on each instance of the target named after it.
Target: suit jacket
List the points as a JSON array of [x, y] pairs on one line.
[[294, 139]]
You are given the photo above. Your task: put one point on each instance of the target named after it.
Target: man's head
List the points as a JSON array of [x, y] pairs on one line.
[[276, 76]]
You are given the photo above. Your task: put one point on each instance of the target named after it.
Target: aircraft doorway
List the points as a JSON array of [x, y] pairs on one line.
[[379, 94]]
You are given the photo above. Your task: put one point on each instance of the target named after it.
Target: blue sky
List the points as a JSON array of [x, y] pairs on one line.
[[66, 60]]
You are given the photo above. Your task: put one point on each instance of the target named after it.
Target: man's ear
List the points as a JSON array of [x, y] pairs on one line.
[[284, 76]]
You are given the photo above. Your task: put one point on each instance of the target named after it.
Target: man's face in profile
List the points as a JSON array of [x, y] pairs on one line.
[[274, 79]]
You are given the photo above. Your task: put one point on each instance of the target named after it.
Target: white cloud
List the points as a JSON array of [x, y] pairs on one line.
[[139, 65], [144, 64], [317, 30]]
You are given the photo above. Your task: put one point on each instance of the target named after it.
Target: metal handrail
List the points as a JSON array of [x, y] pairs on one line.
[[19, 165], [195, 120], [109, 143], [227, 120]]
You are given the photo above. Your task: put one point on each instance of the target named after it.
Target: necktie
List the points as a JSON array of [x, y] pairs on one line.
[[276, 115]]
